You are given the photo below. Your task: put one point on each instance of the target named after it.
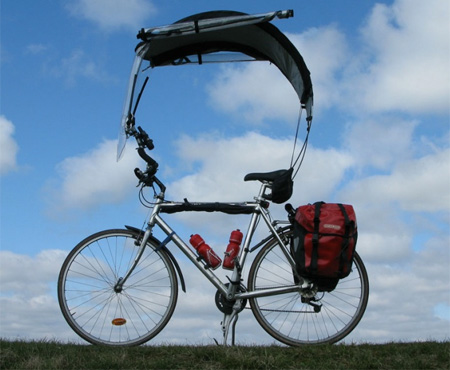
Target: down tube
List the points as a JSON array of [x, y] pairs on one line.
[[190, 254]]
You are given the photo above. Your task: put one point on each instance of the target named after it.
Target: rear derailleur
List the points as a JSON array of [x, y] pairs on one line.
[[312, 302], [309, 296]]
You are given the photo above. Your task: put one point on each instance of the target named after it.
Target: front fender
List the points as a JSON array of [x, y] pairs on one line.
[[166, 250]]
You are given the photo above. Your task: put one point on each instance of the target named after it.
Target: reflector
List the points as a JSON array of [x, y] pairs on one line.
[[118, 321]]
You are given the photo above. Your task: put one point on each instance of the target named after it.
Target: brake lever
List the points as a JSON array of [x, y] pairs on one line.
[[143, 177], [139, 174]]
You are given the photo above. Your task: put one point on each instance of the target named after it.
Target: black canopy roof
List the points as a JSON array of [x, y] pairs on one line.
[[206, 36]]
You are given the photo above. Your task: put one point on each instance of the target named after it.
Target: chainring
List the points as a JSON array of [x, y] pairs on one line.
[[225, 305]]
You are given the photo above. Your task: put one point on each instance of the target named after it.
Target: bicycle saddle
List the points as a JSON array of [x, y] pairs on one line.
[[265, 176], [282, 184]]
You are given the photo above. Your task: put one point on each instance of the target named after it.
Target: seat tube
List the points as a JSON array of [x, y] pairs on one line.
[[251, 227], [248, 237], [237, 272]]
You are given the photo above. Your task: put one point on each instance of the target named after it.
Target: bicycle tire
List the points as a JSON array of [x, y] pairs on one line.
[[99, 314], [293, 322]]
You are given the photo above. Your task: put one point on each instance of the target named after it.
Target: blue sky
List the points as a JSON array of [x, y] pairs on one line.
[[380, 141]]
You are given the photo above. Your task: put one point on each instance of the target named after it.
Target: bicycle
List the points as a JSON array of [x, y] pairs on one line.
[[120, 287]]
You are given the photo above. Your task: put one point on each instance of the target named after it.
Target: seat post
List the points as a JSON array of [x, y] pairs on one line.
[[262, 191]]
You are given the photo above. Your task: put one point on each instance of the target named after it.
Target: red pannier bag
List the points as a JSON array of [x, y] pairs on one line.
[[324, 242]]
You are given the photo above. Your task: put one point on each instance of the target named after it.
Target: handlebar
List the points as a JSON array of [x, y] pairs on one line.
[[146, 177], [151, 163]]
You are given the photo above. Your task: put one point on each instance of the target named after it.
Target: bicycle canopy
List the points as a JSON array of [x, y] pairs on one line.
[[217, 36]]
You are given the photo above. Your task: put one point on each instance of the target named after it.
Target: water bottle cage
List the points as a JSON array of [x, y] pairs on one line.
[[206, 265]]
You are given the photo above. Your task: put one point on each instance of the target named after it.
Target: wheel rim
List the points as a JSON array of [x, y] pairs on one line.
[[101, 315]]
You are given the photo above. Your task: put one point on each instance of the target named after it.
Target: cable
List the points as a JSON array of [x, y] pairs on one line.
[[144, 201], [296, 135], [301, 155]]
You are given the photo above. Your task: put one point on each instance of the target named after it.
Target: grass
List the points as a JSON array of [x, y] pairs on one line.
[[54, 355]]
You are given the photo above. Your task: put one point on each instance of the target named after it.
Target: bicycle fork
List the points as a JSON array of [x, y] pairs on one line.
[[142, 243]]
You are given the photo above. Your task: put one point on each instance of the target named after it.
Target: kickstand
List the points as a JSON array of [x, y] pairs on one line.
[[230, 319], [233, 329]]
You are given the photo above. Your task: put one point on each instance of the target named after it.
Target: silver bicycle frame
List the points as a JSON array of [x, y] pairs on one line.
[[230, 291]]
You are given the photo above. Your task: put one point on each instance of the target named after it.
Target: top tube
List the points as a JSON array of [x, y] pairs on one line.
[[229, 208]]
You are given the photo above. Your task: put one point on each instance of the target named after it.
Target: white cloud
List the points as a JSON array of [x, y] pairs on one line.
[[404, 291], [18, 272], [326, 53], [388, 202], [401, 65], [417, 185], [402, 214], [255, 91], [34, 318], [77, 65], [223, 162], [36, 48], [94, 178], [8, 146], [27, 301], [377, 247], [380, 142], [399, 293], [218, 166], [114, 14], [29, 307], [321, 174], [259, 91], [408, 44]]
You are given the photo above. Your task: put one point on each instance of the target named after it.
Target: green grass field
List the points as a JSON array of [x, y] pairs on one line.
[[54, 355]]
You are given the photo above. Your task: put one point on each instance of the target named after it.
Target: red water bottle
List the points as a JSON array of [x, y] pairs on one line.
[[232, 250], [205, 251]]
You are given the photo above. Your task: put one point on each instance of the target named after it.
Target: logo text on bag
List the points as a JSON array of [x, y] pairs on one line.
[[331, 226]]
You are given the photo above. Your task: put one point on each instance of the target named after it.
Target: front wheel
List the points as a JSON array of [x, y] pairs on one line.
[[312, 317], [103, 315]]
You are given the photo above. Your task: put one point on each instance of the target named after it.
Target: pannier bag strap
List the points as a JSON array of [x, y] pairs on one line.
[[315, 237], [345, 240]]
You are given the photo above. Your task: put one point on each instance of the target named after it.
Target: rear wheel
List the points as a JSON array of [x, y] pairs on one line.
[[305, 317], [100, 314]]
